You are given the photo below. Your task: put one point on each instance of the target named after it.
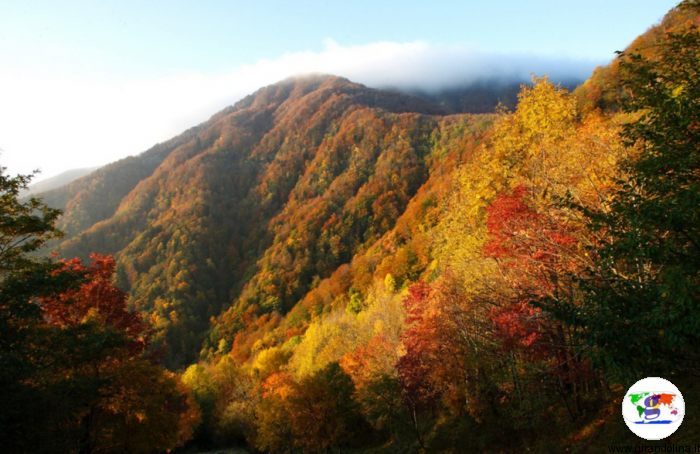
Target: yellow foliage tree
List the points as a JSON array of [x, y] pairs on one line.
[[548, 154], [333, 336]]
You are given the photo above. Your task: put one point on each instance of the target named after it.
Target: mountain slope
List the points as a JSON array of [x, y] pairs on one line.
[[253, 207], [95, 197]]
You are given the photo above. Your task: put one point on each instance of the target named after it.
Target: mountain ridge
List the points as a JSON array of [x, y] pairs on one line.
[[197, 223]]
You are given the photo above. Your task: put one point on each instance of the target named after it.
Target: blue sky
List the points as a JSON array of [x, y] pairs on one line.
[[85, 83]]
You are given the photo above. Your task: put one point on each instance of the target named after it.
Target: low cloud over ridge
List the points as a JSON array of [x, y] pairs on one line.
[[63, 123], [420, 66]]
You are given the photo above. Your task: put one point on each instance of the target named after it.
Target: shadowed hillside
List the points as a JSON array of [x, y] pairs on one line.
[[260, 201]]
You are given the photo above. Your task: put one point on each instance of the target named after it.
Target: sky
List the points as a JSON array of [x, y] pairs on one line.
[[87, 83]]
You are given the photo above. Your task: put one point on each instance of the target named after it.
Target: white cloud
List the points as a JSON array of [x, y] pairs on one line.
[[62, 123]]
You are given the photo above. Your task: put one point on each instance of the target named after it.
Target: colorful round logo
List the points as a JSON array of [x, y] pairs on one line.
[[653, 408]]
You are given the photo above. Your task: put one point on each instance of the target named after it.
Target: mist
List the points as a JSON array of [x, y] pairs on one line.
[[57, 124], [421, 67]]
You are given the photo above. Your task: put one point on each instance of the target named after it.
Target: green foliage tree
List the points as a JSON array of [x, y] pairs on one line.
[[643, 296], [24, 228], [205, 392], [326, 411]]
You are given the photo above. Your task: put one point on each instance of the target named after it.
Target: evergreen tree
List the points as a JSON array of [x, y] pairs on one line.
[[643, 297]]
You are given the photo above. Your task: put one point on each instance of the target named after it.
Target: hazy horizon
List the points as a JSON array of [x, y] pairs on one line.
[[85, 84]]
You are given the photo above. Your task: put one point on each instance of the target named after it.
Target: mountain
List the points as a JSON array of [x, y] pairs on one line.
[[284, 204], [481, 96], [249, 211], [57, 181], [478, 97]]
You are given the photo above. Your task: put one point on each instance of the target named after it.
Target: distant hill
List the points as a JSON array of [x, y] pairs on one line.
[[481, 96], [56, 181]]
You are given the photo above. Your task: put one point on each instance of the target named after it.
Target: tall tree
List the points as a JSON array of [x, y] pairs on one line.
[[317, 413], [24, 228], [108, 395], [643, 297]]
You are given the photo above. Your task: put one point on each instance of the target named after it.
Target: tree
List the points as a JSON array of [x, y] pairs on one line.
[[24, 228], [238, 398], [317, 413], [74, 376], [643, 295], [205, 392], [274, 418], [108, 394], [416, 367], [512, 249]]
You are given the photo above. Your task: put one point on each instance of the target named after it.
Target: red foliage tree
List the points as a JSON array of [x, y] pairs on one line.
[[534, 253], [422, 344], [419, 340], [109, 395], [537, 255], [98, 298]]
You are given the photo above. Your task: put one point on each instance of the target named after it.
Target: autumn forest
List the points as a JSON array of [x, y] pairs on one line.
[[326, 267]]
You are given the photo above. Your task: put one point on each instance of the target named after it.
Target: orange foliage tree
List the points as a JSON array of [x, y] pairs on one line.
[[109, 395], [316, 413]]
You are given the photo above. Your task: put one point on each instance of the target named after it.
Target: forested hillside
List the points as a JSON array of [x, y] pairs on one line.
[[213, 213], [326, 267], [95, 197]]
